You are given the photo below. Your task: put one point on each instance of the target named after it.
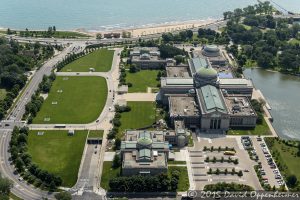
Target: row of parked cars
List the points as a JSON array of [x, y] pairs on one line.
[[271, 163]]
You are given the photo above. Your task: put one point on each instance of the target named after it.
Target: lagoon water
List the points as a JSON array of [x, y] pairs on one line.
[[283, 94]]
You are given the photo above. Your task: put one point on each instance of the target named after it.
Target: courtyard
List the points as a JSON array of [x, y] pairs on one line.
[[141, 80], [142, 115]]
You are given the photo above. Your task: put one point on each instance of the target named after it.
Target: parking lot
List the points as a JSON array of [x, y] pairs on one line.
[[200, 166], [268, 169]]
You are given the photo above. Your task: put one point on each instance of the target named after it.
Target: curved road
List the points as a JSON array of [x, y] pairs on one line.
[[21, 188]]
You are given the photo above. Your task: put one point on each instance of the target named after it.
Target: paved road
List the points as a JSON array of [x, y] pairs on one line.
[[21, 188]]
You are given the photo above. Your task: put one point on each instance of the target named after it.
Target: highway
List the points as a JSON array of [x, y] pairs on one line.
[[21, 188]]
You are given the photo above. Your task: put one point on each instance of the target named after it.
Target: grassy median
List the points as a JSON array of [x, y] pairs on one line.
[[100, 60], [73, 100], [58, 153]]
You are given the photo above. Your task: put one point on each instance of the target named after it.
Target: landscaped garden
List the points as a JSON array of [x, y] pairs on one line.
[[54, 152], [260, 129], [100, 60], [73, 100], [141, 80], [142, 114]]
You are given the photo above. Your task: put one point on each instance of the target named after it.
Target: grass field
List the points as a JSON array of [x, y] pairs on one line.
[[2, 93], [261, 129], [54, 151], [100, 60], [183, 183], [95, 134], [142, 114], [108, 173], [285, 156], [79, 100], [141, 80]]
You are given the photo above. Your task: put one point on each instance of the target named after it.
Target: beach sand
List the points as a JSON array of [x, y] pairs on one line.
[[155, 29]]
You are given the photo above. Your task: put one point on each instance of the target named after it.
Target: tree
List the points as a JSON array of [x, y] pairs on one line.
[[133, 68], [99, 36], [5, 187], [63, 196], [116, 161], [291, 181]]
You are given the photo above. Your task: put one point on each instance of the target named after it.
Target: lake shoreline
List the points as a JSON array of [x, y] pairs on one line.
[[140, 30]]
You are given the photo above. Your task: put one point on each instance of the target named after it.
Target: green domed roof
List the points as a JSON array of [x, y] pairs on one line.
[[144, 141], [211, 48], [207, 72]]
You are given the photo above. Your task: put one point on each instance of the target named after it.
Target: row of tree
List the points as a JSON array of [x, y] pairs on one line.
[[24, 165], [15, 60], [45, 34], [222, 186], [32, 107], [116, 124], [290, 178], [138, 183]]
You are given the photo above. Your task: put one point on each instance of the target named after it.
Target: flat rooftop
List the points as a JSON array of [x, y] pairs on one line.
[[236, 82], [157, 136], [183, 106], [131, 160], [178, 71], [239, 106]]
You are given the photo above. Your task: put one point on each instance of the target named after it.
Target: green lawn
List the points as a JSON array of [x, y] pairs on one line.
[[57, 34], [261, 129], [183, 183], [95, 134], [142, 114], [100, 60], [108, 173], [54, 151], [176, 162], [285, 156], [80, 100], [141, 80], [2, 94]]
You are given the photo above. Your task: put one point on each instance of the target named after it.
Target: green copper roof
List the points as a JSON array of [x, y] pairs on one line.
[[212, 98], [144, 139], [211, 48], [144, 154], [207, 71]]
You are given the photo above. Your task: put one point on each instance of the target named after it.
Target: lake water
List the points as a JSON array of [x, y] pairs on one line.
[[283, 94], [103, 14]]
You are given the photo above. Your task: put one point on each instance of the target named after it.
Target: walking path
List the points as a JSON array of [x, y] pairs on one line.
[[139, 96]]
